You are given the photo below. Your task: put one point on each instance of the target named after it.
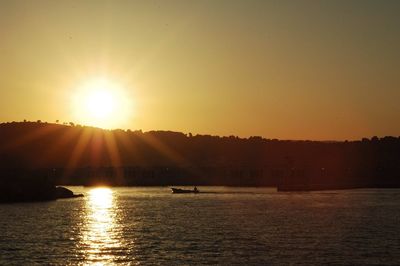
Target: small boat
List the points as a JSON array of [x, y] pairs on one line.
[[181, 191]]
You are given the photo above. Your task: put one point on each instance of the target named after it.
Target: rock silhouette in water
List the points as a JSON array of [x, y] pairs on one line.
[[23, 189], [62, 193]]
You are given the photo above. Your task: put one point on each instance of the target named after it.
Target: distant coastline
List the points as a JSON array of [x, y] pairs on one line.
[[77, 155]]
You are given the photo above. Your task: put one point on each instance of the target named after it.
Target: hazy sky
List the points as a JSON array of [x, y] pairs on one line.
[[280, 69]]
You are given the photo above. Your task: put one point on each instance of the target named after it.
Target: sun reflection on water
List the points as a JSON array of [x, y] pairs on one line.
[[101, 238]]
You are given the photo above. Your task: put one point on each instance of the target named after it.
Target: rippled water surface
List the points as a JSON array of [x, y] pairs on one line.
[[228, 226]]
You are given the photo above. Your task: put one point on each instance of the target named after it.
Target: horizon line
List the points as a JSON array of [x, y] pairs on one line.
[[73, 124]]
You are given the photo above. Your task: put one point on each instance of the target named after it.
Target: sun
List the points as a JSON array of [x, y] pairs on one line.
[[101, 102]]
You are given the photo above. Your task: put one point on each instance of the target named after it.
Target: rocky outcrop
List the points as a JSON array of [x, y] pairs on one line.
[[23, 189], [63, 193]]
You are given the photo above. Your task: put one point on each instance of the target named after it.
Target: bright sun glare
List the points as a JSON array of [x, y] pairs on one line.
[[101, 197], [101, 102]]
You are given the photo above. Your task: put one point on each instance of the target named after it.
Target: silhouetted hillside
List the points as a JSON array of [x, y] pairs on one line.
[[86, 155]]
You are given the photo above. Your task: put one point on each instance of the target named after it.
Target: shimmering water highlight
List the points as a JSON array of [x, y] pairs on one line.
[[229, 226]]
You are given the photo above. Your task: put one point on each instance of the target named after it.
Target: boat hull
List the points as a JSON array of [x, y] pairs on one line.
[[183, 191]]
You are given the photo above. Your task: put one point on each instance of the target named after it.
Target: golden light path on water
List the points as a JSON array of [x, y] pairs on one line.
[[101, 237]]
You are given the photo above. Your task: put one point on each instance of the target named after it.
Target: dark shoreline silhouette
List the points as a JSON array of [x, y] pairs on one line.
[[29, 189], [77, 155]]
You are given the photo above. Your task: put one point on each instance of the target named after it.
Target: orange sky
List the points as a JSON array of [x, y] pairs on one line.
[[324, 70]]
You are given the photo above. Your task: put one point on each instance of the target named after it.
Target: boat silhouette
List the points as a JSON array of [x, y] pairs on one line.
[[181, 191]]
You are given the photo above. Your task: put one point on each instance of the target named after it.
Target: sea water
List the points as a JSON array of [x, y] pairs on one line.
[[227, 226]]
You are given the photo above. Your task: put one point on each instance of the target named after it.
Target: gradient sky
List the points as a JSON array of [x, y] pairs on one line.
[[324, 70]]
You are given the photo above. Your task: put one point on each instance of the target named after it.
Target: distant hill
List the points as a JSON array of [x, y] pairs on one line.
[[72, 154]]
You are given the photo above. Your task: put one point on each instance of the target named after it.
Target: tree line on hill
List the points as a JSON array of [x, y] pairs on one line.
[[79, 155]]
